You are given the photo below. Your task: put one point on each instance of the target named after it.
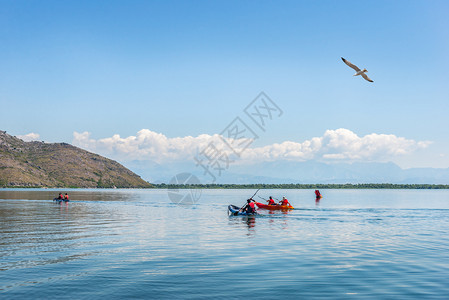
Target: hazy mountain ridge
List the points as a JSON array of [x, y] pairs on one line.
[[297, 172], [39, 164]]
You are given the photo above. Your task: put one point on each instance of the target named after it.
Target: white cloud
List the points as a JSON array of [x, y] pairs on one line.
[[340, 144], [29, 137], [335, 145], [146, 145]]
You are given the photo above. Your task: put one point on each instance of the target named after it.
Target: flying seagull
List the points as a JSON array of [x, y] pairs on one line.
[[359, 72]]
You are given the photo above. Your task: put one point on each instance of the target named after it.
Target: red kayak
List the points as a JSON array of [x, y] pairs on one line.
[[273, 207]]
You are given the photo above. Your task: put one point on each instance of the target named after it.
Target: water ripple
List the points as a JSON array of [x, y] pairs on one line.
[[137, 244]]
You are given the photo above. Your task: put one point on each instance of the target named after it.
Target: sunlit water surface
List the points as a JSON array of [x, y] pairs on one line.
[[115, 244]]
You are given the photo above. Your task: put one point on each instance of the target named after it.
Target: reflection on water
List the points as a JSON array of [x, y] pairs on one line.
[[251, 222], [136, 243], [244, 222], [75, 194]]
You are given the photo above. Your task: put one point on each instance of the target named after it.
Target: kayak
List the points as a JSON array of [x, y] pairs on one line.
[[273, 207], [235, 211], [60, 200]]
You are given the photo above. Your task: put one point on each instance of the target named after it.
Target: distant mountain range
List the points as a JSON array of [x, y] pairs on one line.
[[38, 164], [297, 172]]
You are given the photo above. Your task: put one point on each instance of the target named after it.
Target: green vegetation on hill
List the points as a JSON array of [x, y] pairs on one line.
[[38, 164], [303, 186]]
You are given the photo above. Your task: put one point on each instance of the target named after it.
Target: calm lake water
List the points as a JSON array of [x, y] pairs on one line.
[[115, 244]]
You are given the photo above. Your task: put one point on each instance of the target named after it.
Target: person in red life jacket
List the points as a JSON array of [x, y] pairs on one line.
[[271, 201], [250, 208], [318, 194], [66, 197], [59, 197], [285, 202]]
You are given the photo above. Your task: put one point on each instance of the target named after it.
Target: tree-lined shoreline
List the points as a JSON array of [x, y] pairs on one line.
[[303, 186], [298, 186]]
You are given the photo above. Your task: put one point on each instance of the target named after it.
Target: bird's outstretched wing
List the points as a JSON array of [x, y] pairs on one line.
[[366, 77], [351, 65]]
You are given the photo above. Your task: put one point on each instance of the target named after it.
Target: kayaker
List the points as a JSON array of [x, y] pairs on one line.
[[285, 202], [249, 208], [66, 197], [60, 197], [318, 194], [271, 201]]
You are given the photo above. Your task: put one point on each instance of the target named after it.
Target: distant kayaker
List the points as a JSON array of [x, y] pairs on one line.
[[284, 201], [249, 208], [318, 194], [271, 201], [59, 198], [66, 197]]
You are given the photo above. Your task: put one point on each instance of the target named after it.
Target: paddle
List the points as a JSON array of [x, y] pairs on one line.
[[269, 200], [279, 201], [263, 199], [254, 194]]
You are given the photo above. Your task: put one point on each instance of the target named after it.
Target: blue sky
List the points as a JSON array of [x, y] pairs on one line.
[[186, 68]]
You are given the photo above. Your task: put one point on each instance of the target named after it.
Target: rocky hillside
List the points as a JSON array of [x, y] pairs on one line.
[[38, 164]]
